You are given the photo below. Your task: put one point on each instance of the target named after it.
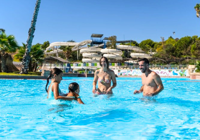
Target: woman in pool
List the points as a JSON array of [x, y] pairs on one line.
[[104, 77], [74, 92], [53, 91]]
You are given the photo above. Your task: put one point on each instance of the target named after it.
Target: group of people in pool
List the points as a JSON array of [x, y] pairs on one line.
[[151, 82]]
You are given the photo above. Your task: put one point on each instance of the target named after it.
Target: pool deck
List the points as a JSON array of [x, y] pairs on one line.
[[21, 77], [161, 76], [73, 75], [194, 75], [43, 77]]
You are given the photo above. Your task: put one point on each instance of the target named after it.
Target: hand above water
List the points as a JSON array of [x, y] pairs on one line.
[[94, 90], [109, 90], [136, 91]]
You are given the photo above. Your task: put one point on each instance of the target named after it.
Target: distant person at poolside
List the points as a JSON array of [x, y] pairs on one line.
[[53, 92], [74, 92], [151, 82], [104, 76]]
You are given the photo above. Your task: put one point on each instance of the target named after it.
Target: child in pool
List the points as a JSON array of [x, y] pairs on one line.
[[74, 92]]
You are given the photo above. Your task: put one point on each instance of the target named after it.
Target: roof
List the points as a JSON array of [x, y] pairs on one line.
[[105, 38], [125, 41], [52, 59], [97, 35]]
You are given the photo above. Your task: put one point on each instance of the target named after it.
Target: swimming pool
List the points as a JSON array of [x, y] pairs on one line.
[[27, 114]]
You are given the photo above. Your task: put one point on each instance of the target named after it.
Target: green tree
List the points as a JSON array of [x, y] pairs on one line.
[[8, 44], [36, 55], [45, 45], [133, 43], [195, 49], [182, 46], [112, 40], [147, 45], [67, 50], [171, 41]]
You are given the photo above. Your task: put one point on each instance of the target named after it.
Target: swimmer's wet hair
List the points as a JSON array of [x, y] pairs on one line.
[[73, 87], [106, 61], [146, 61], [56, 71]]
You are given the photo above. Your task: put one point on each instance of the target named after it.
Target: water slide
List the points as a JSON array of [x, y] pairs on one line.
[[140, 55], [112, 53], [128, 47], [79, 45], [90, 50], [54, 46], [91, 55], [90, 60], [113, 56], [54, 51]]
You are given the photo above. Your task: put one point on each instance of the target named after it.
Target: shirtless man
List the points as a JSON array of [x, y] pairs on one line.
[[151, 82], [104, 77]]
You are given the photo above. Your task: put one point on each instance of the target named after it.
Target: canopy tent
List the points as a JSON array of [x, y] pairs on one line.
[[97, 35], [125, 41], [48, 61], [52, 59]]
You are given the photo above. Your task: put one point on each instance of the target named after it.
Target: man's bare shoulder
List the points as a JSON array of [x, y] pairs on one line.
[[154, 74]]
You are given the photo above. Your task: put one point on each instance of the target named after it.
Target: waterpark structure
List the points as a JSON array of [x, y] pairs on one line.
[[96, 47], [92, 50]]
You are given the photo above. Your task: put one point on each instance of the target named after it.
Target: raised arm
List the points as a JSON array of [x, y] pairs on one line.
[[95, 81], [159, 83]]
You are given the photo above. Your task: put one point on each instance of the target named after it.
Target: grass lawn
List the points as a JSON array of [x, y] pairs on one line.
[[17, 73]]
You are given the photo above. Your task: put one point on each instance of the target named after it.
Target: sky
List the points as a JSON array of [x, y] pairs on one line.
[[63, 20]]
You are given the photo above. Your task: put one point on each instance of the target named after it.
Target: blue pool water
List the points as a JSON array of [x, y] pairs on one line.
[[25, 113]]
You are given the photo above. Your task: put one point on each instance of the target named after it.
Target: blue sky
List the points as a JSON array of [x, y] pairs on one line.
[[63, 20]]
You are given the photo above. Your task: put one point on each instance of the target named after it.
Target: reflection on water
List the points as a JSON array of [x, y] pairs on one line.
[[148, 99], [60, 108]]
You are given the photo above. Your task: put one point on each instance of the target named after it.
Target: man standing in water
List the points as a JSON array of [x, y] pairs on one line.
[[104, 76], [151, 82]]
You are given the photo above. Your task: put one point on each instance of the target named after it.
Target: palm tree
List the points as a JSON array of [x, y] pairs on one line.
[[197, 7], [7, 44], [2, 31], [26, 58], [36, 56]]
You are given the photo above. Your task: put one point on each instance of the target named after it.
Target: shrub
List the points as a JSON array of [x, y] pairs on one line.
[[197, 66]]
